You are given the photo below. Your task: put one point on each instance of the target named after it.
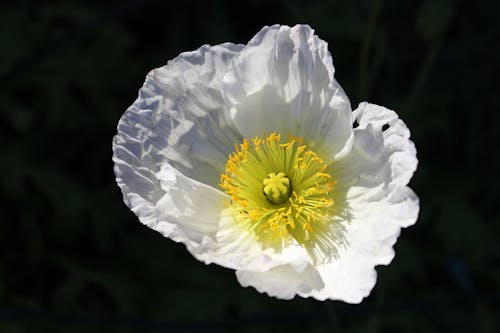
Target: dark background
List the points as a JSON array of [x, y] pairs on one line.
[[75, 259]]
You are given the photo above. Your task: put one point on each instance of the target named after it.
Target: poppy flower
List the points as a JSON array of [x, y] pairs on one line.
[[252, 157]]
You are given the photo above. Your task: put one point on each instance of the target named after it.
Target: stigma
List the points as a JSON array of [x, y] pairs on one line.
[[277, 187]]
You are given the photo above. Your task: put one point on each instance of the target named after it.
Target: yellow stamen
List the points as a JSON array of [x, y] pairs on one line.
[[279, 189]]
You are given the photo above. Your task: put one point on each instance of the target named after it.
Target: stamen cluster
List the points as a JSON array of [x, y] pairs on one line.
[[279, 189]]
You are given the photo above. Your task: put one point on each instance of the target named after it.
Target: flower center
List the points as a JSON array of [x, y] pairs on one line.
[[279, 190], [277, 187]]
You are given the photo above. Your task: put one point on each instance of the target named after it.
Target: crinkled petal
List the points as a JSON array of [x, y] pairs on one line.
[[188, 212], [171, 147], [172, 144], [193, 213], [373, 179], [282, 281], [383, 153], [239, 249], [180, 116], [283, 81]]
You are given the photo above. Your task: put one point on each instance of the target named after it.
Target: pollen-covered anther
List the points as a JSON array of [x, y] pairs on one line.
[[279, 189]]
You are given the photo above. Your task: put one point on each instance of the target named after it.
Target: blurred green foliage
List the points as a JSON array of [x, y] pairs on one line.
[[75, 259]]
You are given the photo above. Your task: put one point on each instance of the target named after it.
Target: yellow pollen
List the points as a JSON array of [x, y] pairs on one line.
[[279, 190]]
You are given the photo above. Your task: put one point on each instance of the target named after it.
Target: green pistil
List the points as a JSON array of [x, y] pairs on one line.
[[277, 187]]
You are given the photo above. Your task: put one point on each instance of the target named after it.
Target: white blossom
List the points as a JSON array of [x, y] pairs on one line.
[[248, 155]]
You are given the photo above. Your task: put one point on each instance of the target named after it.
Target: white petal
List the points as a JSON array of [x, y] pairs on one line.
[[239, 249], [172, 144], [180, 116], [374, 177], [380, 155], [188, 212], [369, 238], [372, 180], [193, 213], [282, 281], [169, 152], [283, 81]]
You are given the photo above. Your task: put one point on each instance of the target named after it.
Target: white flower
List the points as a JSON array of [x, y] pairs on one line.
[[247, 154]]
